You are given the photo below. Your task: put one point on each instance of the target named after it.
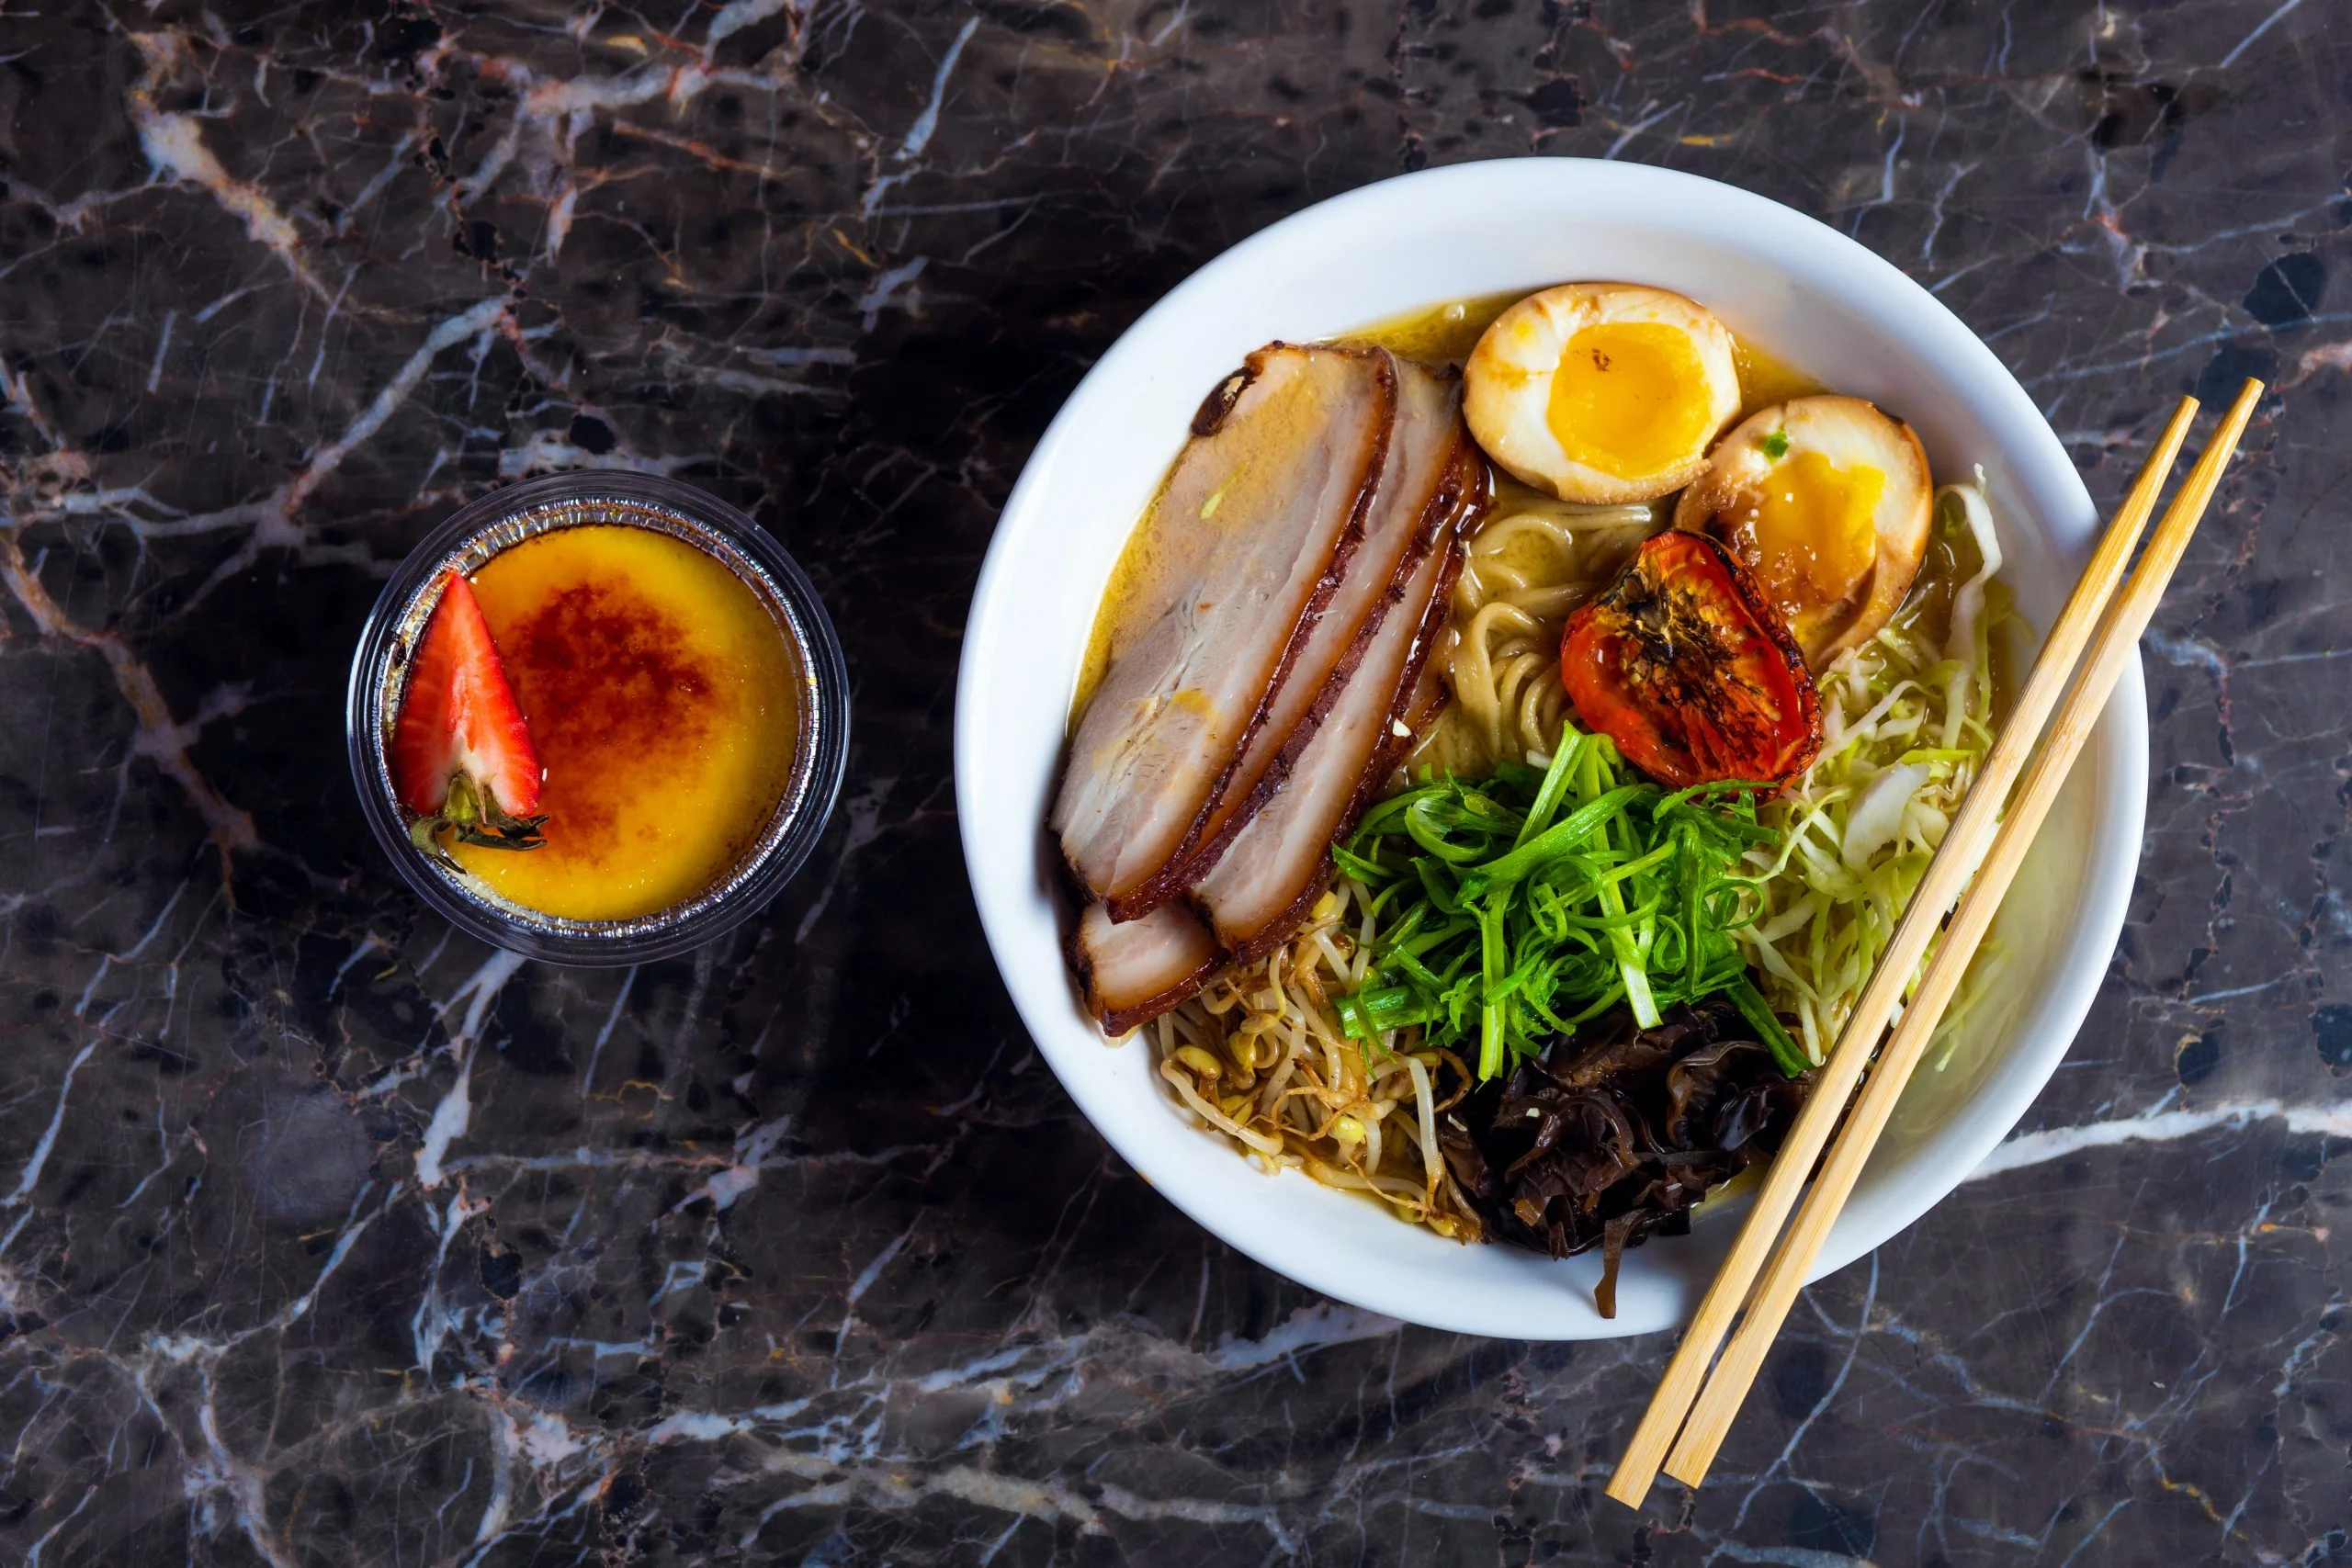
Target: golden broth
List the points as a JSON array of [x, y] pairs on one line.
[[1444, 334], [1437, 334], [1133, 566], [1765, 379]]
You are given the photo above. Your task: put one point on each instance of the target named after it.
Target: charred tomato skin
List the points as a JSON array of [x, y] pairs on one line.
[[1683, 664]]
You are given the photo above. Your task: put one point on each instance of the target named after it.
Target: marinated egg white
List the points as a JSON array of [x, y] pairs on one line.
[[1826, 501], [1601, 392]]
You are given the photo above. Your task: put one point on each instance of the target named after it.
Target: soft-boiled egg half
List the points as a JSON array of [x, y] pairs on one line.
[[1601, 392], [1826, 501]]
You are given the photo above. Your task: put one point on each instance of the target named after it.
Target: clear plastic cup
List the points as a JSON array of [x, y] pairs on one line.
[[507, 517]]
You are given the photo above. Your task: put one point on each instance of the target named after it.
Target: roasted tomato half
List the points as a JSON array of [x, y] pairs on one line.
[[1680, 662]]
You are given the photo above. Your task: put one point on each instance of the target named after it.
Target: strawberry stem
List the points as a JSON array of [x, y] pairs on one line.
[[474, 816]]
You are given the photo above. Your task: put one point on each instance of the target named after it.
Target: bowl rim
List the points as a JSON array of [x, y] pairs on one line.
[[2117, 763], [500, 519]]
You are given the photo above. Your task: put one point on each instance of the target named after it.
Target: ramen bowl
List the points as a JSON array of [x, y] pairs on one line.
[[1788, 285]]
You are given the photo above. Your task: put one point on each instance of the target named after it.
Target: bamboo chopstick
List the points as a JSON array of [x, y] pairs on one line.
[[1972, 828], [2119, 634]]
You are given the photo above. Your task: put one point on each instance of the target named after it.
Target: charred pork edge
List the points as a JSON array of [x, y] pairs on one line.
[[1456, 480], [1119, 1020], [1162, 885], [1419, 719], [1210, 415], [1419, 714], [1274, 933], [1130, 1018]]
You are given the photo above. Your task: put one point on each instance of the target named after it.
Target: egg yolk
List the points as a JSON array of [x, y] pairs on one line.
[[1813, 531], [1628, 399]]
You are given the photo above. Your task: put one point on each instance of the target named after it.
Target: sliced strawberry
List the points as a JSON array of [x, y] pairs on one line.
[[461, 755]]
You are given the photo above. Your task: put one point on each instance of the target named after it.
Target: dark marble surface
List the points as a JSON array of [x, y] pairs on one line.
[[328, 1238]]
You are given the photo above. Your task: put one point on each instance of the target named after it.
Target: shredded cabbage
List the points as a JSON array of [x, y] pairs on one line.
[[1909, 715]]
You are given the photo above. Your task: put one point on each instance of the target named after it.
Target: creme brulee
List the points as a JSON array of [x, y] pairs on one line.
[[665, 708]]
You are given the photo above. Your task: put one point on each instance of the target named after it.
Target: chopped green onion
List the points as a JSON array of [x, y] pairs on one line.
[[1750, 1003], [1516, 908]]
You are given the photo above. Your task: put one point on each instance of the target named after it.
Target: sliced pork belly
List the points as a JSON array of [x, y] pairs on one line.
[[1237, 557], [1422, 485], [1273, 871], [1135, 970]]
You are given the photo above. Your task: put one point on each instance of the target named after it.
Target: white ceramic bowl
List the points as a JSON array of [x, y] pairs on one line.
[[1794, 286]]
